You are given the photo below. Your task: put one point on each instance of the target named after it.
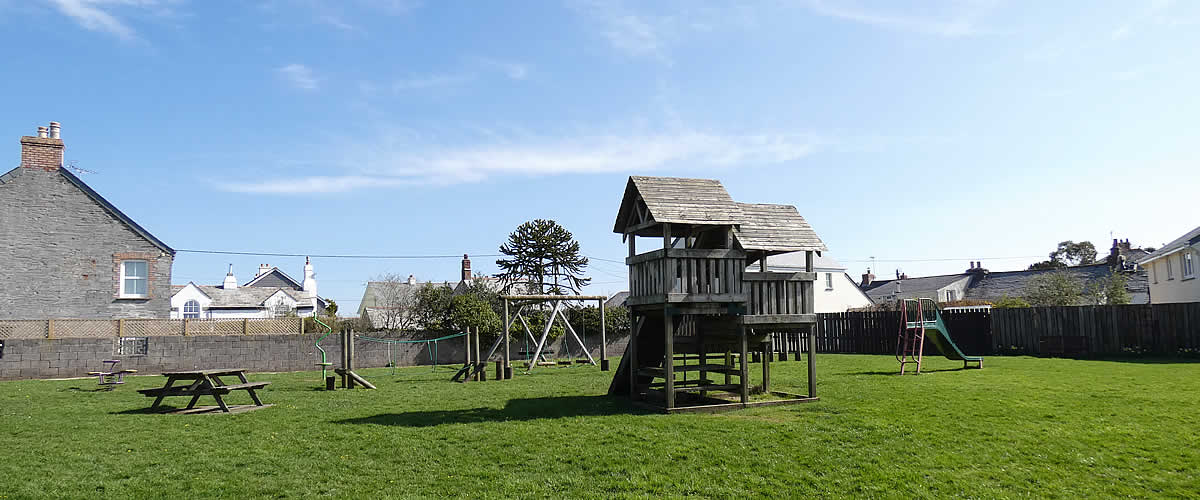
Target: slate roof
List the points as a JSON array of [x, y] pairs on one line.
[[240, 297], [275, 278], [775, 228], [108, 207], [911, 288], [993, 286], [794, 261], [617, 299], [1190, 238], [679, 200]]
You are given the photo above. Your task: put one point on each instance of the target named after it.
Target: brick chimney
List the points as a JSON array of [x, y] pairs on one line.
[[466, 268], [44, 152], [867, 278]]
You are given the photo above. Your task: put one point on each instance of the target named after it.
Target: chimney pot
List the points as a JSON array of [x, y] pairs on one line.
[[466, 268], [55, 127], [412, 280], [42, 132], [42, 152]]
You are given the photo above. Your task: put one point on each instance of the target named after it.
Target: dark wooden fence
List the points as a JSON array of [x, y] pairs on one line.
[[1160, 329]]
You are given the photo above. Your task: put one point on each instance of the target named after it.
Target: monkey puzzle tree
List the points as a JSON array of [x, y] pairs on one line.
[[544, 257]]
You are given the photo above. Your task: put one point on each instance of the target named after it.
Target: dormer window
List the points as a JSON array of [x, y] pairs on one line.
[[135, 279], [191, 310]]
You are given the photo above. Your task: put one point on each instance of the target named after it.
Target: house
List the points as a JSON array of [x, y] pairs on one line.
[[981, 284], [617, 299], [271, 294], [1172, 270], [466, 279], [66, 252], [835, 291], [388, 304]]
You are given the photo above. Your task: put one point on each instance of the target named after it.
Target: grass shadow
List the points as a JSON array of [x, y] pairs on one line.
[[514, 410], [896, 373], [147, 410], [1145, 361]]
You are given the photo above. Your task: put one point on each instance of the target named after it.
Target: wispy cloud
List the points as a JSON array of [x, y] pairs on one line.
[[960, 20], [514, 70], [431, 81], [635, 29], [346, 15], [97, 15], [395, 164], [299, 76]]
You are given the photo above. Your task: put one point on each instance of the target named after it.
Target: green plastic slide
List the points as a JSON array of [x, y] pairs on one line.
[[940, 336]]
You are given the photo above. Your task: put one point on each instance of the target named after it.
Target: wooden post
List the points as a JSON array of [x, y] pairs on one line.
[[50, 328], [745, 369], [669, 359], [632, 363], [301, 323], [350, 357], [506, 373], [245, 326], [468, 349], [812, 363], [766, 368], [812, 334], [185, 326], [481, 362], [728, 365], [603, 339], [120, 328]]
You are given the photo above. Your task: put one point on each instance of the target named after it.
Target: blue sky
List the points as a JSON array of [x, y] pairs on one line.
[[926, 134]]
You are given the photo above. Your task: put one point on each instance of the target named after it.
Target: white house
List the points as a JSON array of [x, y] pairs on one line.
[[833, 291], [1172, 270], [271, 294]]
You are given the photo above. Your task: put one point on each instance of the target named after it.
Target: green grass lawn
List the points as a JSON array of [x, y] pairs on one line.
[[1021, 427]]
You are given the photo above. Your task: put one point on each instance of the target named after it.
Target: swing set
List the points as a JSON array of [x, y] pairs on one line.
[[525, 305]]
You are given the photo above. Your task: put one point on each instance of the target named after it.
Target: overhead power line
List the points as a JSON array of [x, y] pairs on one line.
[[327, 256]]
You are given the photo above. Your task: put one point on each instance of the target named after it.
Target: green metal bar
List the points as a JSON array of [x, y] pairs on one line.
[[328, 330]]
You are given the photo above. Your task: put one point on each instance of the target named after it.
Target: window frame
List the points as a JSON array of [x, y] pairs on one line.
[[133, 346], [1187, 266], [1170, 270], [124, 276], [185, 312], [828, 281]]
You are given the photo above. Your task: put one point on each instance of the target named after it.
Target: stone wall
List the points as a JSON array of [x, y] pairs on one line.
[[60, 253], [74, 357]]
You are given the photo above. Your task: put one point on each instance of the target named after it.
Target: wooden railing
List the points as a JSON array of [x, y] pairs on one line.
[[686, 275], [779, 298]]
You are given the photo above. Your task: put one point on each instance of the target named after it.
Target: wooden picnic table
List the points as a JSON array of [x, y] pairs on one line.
[[204, 383]]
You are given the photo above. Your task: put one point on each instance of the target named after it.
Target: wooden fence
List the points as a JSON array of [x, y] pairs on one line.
[[1160, 329]]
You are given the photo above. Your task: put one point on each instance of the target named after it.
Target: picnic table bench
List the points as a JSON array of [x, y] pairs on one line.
[[204, 383]]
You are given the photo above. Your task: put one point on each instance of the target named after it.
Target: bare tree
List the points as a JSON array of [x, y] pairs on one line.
[[395, 302]]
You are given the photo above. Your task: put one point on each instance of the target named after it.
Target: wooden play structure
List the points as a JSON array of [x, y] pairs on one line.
[[694, 306]]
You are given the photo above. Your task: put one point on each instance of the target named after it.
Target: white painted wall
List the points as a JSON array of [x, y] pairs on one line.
[[189, 292], [843, 295], [1177, 288]]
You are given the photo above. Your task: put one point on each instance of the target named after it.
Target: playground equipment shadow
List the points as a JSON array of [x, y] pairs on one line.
[[515, 410]]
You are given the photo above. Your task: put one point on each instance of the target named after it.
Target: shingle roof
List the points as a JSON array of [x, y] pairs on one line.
[[679, 200], [775, 228], [1190, 238], [617, 299]]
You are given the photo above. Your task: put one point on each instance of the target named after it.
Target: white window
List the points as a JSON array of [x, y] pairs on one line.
[[135, 279], [191, 310], [950, 295], [133, 346], [1170, 270], [1189, 270], [829, 281]]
